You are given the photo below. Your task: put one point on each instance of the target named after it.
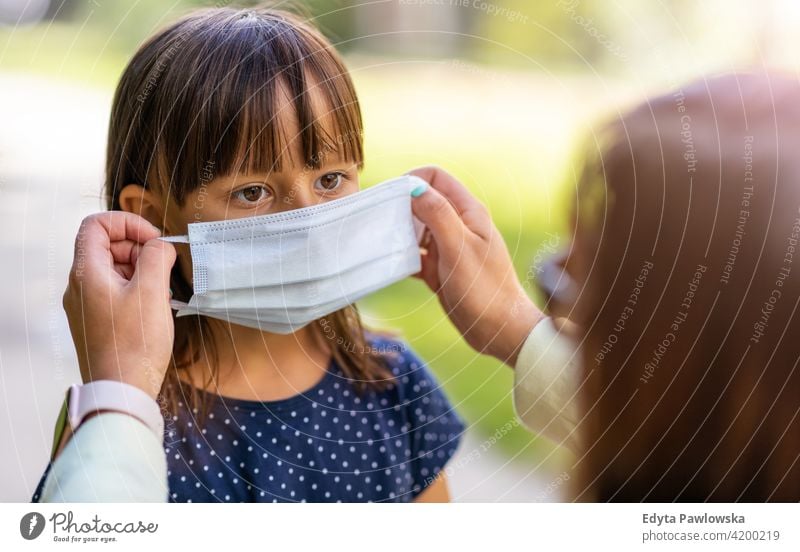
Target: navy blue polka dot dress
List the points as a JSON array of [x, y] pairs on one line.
[[328, 444]]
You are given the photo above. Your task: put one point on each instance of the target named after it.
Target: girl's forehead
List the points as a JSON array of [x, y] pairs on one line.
[[292, 134], [319, 105]]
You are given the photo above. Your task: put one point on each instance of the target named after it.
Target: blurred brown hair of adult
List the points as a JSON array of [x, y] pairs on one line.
[[687, 263]]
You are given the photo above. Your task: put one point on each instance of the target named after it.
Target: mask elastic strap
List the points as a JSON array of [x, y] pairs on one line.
[[174, 303], [175, 239], [177, 305]]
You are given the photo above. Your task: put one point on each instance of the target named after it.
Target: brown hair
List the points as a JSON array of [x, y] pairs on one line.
[[197, 101], [686, 223]]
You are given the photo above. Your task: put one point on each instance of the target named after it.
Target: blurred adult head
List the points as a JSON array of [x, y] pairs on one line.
[[687, 265]]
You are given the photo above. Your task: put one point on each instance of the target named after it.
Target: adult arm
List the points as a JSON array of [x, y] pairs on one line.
[[112, 457], [546, 383], [117, 305], [467, 264]]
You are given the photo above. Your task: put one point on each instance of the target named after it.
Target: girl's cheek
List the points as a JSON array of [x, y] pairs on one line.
[[349, 188], [202, 206]]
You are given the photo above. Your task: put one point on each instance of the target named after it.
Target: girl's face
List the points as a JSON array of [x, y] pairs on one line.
[[247, 195], [242, 194], [296, 185]]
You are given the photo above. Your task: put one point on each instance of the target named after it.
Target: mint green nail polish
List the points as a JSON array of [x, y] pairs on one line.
[[419, 190]]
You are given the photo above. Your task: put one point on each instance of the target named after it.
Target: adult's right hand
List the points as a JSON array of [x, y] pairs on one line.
[[117, 301], [468, 266]]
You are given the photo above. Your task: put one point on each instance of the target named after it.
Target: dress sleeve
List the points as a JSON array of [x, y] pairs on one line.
[[436, 428]]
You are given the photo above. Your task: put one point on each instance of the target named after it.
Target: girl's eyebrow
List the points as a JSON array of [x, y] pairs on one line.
[[235, 180], [226, 184], [337, 160], [232, 181]]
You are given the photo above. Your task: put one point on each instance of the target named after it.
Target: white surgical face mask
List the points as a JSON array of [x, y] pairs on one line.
[[280, 272]]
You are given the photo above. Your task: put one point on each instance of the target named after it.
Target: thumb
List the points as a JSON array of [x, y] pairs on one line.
[[444, 223], [153, 267]]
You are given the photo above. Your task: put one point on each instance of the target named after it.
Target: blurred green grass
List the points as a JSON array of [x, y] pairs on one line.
[[63, 51], [509, 143], [512, 156], [507, 136]]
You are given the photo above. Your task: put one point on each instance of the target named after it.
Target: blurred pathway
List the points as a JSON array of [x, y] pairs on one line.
[[51, 150]]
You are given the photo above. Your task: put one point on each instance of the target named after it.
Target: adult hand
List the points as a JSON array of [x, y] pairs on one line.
[[117, 301], [467, 264]]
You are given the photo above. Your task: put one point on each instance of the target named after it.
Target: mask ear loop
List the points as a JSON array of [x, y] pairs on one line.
[[175, 239], [174, 303]]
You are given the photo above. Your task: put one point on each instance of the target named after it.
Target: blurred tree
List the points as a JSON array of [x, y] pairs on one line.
[[555, 32], [335, 18], [63, 9]]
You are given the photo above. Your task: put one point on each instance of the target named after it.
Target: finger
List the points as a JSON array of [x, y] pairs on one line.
[[96, 234], [125, 252], [447, 185], [443, 222], [153, 267], [426, 239], [122, 225], [124, 270], [94, 259], [430, 267]]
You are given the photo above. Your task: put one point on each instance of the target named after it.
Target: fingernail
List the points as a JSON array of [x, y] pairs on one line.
[[419, 190]]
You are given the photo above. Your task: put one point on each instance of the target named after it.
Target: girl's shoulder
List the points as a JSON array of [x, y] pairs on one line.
[[398, 355], [412, 375], [419, 394]]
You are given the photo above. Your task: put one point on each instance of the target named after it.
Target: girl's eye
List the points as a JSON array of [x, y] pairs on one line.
[[251, 195], [329, 182]]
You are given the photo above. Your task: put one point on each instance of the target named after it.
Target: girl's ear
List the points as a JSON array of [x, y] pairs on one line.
[[135, 198]]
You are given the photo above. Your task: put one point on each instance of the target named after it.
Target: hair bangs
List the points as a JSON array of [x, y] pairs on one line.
[[297, 119], [256, 91]]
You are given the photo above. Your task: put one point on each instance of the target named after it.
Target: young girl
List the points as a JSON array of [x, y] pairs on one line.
[[230, 114]]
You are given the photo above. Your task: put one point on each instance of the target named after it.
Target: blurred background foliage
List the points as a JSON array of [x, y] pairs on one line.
[[499, 92]]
